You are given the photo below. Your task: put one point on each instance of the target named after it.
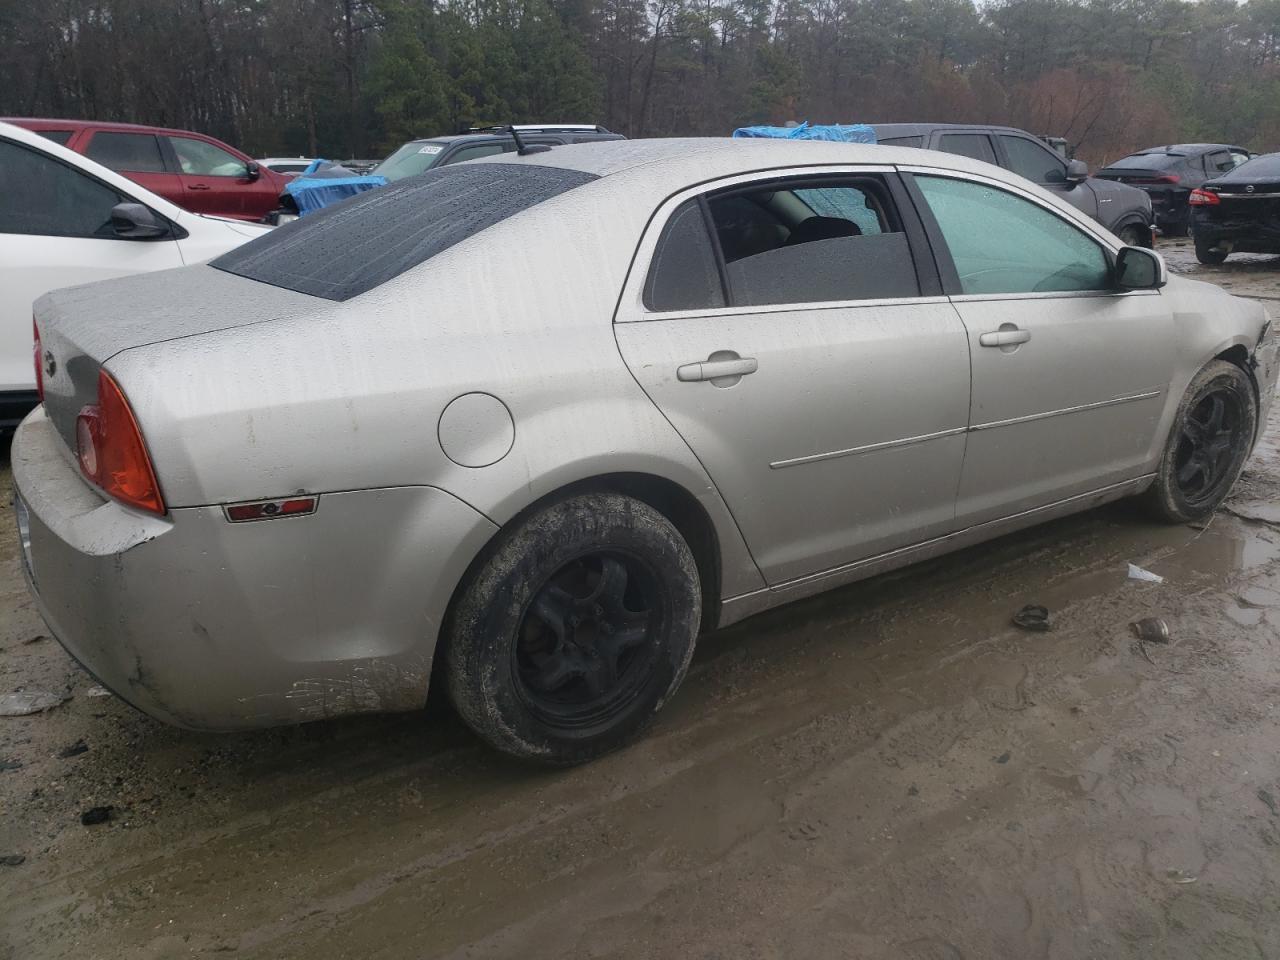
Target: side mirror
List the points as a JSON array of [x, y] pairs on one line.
[[1077, 171], [253, 170], [133, 221], [1138, 268]]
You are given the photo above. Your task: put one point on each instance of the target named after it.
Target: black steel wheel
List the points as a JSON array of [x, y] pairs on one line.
[[1212, 434], [574, 629]]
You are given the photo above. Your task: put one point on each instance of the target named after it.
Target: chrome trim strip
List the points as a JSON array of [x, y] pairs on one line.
[[1053, 295], [812, 306], [1246, 196], [990, 425], [866, 448], [880, 557]]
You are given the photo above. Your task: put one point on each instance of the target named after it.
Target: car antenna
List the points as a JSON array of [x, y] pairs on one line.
[[524, 149]]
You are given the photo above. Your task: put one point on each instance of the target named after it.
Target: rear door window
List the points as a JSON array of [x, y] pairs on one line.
[[975, 145], [126, 152], [831, 240], [57, 136], [901, 141], [1219, 162], [55, 200], [1028, 159], [478, 150]]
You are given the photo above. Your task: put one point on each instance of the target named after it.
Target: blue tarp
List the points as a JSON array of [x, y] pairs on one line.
[[325, 183], [839, 132]]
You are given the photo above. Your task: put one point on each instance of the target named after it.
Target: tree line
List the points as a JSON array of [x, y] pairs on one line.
[[354, 78]]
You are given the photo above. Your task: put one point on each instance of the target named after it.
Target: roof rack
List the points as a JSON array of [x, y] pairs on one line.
[[538, 128]]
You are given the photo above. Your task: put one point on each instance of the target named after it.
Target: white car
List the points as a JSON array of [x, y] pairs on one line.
[[67, 220], [287, 165]]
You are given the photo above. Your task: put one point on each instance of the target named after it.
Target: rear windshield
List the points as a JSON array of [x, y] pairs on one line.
[[350, 248], [1148, 161], [410, 160], [1267, 165]]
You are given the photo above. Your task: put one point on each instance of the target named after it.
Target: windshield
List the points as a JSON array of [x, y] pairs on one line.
[[411, 159], [1147, 161]]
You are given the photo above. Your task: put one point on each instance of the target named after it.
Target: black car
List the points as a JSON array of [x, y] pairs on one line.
[[418, 155], [1123, 210], [1238, 212], [1169, 174]]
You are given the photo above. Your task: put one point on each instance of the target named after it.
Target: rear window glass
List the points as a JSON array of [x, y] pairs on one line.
[[1148, 161], [900, 141], [136, 152], [57, 136], [350, 248], [1267, 165]]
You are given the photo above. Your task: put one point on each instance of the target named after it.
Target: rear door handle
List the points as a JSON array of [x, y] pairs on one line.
[[1009, 337], [723, 365]]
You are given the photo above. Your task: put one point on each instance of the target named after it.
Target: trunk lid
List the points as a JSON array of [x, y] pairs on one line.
[[81, 328], [1244, 200]]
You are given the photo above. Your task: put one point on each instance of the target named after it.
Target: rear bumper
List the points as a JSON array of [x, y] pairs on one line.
[[1256, 235], [218, 626]]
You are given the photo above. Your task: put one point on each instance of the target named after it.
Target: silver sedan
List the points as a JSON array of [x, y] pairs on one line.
[[536, 421]]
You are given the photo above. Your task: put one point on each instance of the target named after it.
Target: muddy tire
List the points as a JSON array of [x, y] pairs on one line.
[[1207, 255], [1208, 445], [575, 630]]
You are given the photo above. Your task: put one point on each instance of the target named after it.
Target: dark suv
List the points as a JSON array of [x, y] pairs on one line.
[[1169, 174], [1124, 210], [419, 155]]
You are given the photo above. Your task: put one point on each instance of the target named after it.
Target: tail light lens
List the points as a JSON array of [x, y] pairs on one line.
[[35, 356], [1203, 198], [111, 451]]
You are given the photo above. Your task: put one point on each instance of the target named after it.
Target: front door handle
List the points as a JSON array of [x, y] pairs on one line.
[[723, 368], [197, 186], [1007, 336]]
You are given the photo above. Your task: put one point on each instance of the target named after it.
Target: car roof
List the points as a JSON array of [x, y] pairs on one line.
[[921, 129], [48, 123], [130, 188], [687, 161]]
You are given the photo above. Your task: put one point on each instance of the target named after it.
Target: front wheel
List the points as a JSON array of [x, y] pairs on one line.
[[575, 630], [1207, 255], [1132, 235], [1208, 445]]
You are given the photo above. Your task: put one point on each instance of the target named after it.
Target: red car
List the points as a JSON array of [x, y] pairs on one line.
[[196, 172]]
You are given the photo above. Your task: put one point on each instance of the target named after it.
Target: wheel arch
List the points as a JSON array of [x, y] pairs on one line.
[[1238, 355], [1136, 220]]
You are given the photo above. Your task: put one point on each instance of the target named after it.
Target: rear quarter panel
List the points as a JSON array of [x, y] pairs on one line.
[[350, 396]]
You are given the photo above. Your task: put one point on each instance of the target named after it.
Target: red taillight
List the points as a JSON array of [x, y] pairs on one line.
[[1203, 198], [35, 356], [111, 451]]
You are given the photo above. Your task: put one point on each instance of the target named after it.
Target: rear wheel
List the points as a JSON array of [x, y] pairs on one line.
[[1207, 255], [575, 630], [1212, 432]]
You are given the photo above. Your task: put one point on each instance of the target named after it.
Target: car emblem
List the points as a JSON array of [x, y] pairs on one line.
[[1249, 188], [50, 364]]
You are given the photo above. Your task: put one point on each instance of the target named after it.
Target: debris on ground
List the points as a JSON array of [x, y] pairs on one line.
[[1137, 573], [98, 691], [36, 639], [33, 701], [1032, 617], [1177, 876], [12, 860], [74, 750], [1266, 797], [96, 815], [10, 765], [1003, 758], [1151, 630]]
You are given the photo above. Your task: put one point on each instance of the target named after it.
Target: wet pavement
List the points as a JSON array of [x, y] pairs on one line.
[[891, 770]]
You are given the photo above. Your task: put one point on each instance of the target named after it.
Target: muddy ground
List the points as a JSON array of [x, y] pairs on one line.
[[888, 771]]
